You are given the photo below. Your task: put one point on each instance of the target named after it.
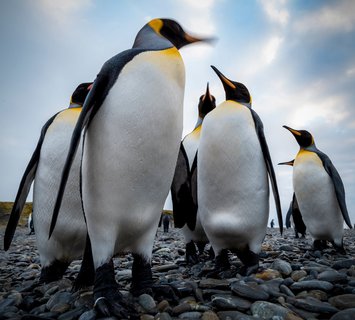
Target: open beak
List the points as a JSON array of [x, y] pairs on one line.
[[293, 131]]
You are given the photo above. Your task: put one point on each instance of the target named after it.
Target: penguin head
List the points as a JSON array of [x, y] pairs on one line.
[[235, 91], [287, 163], [207, 103], [303, 137], [163, 34], [79, 95]]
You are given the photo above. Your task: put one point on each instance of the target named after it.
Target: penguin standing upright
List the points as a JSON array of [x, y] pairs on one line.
[[233, 190], [320, 193], [132, 122], [68, 241], [294, 214], [184, 186]]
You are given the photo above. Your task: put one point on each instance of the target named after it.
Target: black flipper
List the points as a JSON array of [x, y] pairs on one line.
[[24, 188], [101, 87], [184, 209], [338, 184], [297, 217], [191, 221], [265, 149], [288, 216]]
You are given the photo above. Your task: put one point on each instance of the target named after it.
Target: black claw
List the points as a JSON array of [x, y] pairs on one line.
[[101, 306]]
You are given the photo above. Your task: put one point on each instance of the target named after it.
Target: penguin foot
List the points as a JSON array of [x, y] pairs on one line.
[[53, 272], [319, 245], [248, 270], [191, 254], [108, 300], [142, 278], [339, 248], [166, 292], [222, 264]]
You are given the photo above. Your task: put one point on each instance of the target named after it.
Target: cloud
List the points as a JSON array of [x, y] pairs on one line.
[[271, 48], [350, 72], [337, 17], [63, 11], [276, 11]]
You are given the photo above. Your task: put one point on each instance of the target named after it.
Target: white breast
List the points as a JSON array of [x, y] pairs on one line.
[[130, 154], [69, 235], [233, 187], [316, 197]]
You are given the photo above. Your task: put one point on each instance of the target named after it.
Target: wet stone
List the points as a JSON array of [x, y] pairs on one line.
[[282, 266], [344, 301], [332, 276], [268, 310], [234, 315], [147, 302], [211, 283], [313, 305], [250, 291], [312, 284], [209, 315], [229, 302], [348, 314], [59, 298], [190, 315]]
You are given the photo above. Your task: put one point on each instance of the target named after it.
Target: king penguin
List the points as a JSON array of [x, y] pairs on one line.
[[184, 186], [233, 189], [320, 193], [68, 241], [293, 215], [132, 124]]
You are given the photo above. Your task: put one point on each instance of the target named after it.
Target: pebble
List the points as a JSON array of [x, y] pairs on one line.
[[282, 266], [250, 291], [344, 301], [312, 284], [294, 283]]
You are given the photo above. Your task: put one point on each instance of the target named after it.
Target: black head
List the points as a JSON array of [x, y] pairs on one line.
[[303, 137], [207, 103], [235, 91], [80, 93], [172, 31]]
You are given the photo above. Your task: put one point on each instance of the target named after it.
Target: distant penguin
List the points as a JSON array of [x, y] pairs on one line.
[[293, 215], [68, 241], [184, 186], [132, 124], [320, 192], [31, 229], [233, 187]]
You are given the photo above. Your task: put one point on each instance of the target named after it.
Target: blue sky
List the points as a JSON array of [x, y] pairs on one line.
[[296, 57]]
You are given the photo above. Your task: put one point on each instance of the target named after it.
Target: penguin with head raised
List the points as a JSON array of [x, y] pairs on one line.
[[293, 215], [184, 185], [68, 241], [132, 124], [320, 193], [233, 187]]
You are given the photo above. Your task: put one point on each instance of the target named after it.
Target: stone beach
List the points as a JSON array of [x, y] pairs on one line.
[[293, 282]]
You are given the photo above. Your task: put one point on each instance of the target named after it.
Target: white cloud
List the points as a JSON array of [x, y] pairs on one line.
[[271, 48], [63, 11], [337, 17], [350, 72], [276, 11]]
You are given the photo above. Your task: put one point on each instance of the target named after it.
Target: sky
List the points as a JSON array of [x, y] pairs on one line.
[[297, 59]]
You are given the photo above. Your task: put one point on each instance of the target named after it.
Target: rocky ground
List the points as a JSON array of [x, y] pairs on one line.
[[293, 282]]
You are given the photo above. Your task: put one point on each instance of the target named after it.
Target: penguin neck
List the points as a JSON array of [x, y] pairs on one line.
[[147, 38], [199, 122], [74, 105], [311, 148], [245, 104]]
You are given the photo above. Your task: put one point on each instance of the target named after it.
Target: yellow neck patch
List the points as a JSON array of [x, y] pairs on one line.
[[156, 25]]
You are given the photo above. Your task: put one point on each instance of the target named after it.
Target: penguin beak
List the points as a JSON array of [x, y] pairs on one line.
[[191, 39], [224, 79], [208, 94], [288, 163], [293, 131]]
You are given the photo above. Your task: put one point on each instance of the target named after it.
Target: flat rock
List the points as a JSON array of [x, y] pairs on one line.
[[313, 305], [343, 264], [250, 291], [234, 315], [348, 314], [298, 274], [268, 274], [211, 283], [344, 301], [332, 276], [229, 302], [269, 311], [312, 284]]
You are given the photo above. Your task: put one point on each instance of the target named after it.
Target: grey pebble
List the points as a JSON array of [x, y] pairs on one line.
[[190, 315], [344, 301], [313, 305], [147, 303], [59, 298], [312, 284], [250, 291], [332, 276], [268, 310], [348, 314], [282, 266], [343, 264], [229, 302]]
